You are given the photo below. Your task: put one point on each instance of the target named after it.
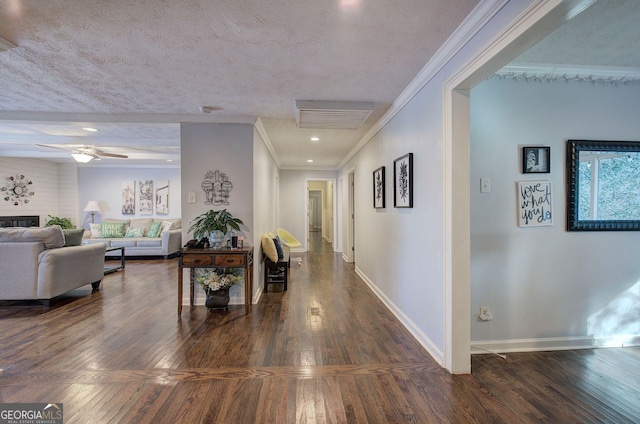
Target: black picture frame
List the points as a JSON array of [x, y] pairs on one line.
[[536, 160], [403, 181], [379, 188]]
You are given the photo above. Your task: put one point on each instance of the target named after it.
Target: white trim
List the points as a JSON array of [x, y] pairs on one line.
[[554, 343], [469, 27], [414, 329], [267, 141], [306, 212], [123, 118], [569, 72]]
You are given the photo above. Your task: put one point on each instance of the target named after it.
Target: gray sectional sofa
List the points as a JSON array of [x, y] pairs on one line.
[[134, 235], [36, 264]]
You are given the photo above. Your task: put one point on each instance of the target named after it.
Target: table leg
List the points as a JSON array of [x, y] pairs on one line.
[[179, 291]]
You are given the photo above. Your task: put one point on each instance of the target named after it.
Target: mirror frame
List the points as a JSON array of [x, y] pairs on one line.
[[574, 147]]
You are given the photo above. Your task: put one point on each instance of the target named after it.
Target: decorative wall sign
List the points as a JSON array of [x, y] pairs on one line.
[[162, 197], [378, 188], [18, 190], [216, 186], [534, 204], [128, 197], [403, 181], [146, 197]]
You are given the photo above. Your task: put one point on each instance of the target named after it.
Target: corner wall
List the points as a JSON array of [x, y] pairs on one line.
[[548, 288]]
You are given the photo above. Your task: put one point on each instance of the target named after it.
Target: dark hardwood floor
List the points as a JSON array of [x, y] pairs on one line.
[[325, 351]]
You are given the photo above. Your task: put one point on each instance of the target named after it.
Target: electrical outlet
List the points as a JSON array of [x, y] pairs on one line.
[[485, 313]]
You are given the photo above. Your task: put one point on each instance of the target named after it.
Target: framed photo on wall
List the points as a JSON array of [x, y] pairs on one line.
[[536, 160], [403, 181], [378, 188]]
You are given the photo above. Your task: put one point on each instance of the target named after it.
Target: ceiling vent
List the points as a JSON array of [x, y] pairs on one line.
[[329, 115]]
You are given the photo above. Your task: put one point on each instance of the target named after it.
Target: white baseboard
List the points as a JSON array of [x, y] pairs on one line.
[[553, 343], [420, 336]]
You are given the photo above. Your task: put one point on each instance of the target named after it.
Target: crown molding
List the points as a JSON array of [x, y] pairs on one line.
[[550, 72], [123, 118], [267, 141], [478, 18]]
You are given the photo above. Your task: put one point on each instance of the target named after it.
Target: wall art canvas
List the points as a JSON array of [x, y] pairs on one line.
[[128, 197], [216, 186], [534, 204], [162, 197], [403, 181], [146, 197], [378, 188]]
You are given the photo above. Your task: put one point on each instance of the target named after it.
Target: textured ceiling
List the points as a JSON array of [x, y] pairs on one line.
[[247, 59], [135, 69]]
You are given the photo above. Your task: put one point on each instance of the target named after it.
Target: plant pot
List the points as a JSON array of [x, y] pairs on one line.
[[218, 299], [216, 238]]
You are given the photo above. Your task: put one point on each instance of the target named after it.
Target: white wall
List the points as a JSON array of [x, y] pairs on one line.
[[227, 148], [546, 282], [265, 198], [54, 186], [294, 198], [104, 184]]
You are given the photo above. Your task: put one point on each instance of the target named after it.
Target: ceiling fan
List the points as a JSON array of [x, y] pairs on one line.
[[83, 153]]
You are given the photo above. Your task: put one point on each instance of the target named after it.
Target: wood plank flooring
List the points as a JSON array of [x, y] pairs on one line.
[[325, 351]]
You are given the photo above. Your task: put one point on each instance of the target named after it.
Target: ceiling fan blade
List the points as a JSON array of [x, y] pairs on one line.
[[111, 155], [50, 146]]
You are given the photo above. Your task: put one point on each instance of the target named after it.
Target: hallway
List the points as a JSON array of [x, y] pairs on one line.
[[325, 351]]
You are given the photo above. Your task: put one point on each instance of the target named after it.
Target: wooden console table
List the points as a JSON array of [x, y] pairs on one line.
[[216, 258]]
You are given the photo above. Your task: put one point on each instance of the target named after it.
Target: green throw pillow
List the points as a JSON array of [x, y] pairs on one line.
[[73, 237], [154, 229], [135, 232], [112, 229]]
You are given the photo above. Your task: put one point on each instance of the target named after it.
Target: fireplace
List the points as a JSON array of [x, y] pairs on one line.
[[19, 221]]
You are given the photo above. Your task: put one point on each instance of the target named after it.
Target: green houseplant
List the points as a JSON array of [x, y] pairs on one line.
[[212, 222], [64, 223]]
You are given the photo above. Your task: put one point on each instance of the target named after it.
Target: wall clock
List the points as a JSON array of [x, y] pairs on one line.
[[18, 190]]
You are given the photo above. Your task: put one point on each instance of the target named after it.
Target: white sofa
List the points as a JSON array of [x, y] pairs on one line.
[[166, 244], [36, 266]]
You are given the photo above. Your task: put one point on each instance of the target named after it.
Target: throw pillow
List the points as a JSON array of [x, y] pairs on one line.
[[134, 232], [278, 244], [95, 230], [269, 248], [112, 229], [154, 229], [166, 226], [73, 237]]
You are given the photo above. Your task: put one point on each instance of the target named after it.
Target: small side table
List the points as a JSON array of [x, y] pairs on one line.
[[108, 269]]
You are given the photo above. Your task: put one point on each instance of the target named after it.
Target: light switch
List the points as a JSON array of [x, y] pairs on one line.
[[485, 185], [192, 197]]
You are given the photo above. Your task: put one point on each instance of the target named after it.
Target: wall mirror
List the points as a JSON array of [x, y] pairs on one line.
[[603, 185]]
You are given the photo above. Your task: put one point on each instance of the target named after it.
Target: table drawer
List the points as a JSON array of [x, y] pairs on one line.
[[229, 260], [197, 260]]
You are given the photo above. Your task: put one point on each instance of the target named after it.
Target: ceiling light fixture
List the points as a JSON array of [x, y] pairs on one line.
[[310, 160], [315, 138], [6, 45], [82, 157], [90, 129]]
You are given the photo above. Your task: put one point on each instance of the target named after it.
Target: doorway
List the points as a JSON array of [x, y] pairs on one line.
[[320, 214]]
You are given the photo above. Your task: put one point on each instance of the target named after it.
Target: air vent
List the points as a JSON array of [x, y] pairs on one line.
[[315, 114]]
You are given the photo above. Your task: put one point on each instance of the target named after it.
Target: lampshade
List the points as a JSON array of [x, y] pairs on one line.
[[81, 157], [92, 206]]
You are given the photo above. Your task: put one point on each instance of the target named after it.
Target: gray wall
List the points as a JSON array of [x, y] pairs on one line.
[[547, 287]]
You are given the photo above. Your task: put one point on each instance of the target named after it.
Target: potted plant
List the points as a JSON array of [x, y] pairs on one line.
[[216, 283], [64, 223], [214, 224]]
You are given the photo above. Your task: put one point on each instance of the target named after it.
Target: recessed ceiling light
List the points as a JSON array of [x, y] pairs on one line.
[[169, 160], [310, 160], [90, 129], [315, 138]]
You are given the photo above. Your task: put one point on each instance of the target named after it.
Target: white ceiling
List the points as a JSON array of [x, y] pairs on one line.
[[135, 69]]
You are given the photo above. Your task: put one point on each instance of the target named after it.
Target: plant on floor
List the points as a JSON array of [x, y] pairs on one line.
[[210, 221], [213, 279], [64, 223]]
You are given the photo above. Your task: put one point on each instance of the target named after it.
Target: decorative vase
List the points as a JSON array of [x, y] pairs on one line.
[[217, 299]]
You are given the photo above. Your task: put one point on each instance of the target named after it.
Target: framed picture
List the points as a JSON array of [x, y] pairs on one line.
[[145, 190], [534, 204], [378, 188], [403, 181], [536, 160], [128, 197]]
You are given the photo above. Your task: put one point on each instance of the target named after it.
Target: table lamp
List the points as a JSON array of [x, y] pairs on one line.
[[93, 207]]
